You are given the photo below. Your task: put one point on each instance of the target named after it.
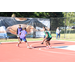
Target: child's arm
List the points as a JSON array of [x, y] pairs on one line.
[[41, 30], [38, 30], [46, 35], [26, 34], [20, 33], [48, 29]]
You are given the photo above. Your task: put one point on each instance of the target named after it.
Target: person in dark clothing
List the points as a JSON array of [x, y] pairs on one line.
[[19, 29]]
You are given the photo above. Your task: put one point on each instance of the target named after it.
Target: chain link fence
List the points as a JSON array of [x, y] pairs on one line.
[[65, 24]]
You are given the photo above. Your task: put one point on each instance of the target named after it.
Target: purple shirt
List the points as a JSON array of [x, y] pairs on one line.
[[19, 30], [23, 33]]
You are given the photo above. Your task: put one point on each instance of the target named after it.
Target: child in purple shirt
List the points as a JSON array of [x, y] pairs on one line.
[[23, 34]]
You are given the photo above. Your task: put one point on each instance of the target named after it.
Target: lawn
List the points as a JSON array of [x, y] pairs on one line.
[[68, 37], [16, 40]]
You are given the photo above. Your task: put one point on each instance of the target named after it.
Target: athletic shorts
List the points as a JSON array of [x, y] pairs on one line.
[[48, 39], [23, 39]]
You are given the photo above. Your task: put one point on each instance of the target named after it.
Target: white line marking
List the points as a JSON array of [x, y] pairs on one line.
[[51, 51], [63, 40], [44, 48]]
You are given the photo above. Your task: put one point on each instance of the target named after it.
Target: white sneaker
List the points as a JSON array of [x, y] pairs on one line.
[[50, 46], [28, 47], [17, 45], [47, 47], [31, 46]]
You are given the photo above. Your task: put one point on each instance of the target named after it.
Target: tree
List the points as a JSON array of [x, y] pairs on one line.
[[32, 14], [70, 18]]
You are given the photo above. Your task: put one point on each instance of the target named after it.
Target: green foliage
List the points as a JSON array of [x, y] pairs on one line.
[[57, 22], [33, 14], [70, 18]]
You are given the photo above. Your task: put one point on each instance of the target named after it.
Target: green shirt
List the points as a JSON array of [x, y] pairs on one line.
[[49, 35]]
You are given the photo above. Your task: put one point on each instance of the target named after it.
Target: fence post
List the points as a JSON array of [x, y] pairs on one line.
[[50, 26], [65, 29], [34, 33]]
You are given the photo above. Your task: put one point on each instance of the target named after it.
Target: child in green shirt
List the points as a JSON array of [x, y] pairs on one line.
[[48, 37]]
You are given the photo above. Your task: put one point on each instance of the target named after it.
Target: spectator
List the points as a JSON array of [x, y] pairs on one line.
[[58, 33]]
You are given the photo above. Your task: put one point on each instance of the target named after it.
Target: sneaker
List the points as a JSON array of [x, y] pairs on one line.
[[17, 45], [31, 47], [50, 46], [28, 47], [47, 47]]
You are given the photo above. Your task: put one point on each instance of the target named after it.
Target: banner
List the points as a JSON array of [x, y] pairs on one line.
[[46, 22], [31, 24]]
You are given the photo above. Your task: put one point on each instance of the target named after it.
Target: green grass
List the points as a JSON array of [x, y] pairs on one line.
[[68, 37], [16, 40]]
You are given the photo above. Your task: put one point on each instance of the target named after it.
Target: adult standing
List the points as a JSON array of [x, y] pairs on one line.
[[58, 33]]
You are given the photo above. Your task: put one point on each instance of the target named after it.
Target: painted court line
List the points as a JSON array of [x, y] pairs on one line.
[[58, 52], [67, 47], [51, 51], [45, 49], [63, 40]]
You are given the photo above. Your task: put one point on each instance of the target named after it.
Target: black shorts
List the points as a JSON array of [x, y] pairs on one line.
[[48, 39]]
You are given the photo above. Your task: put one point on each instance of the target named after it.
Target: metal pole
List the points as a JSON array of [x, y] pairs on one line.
[[65, 27], [50, 22], [69, 27]]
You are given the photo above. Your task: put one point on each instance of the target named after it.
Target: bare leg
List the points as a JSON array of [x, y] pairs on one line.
[[19, 43], [18, 39], [27, 43], [46, 43], [49, 44]]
